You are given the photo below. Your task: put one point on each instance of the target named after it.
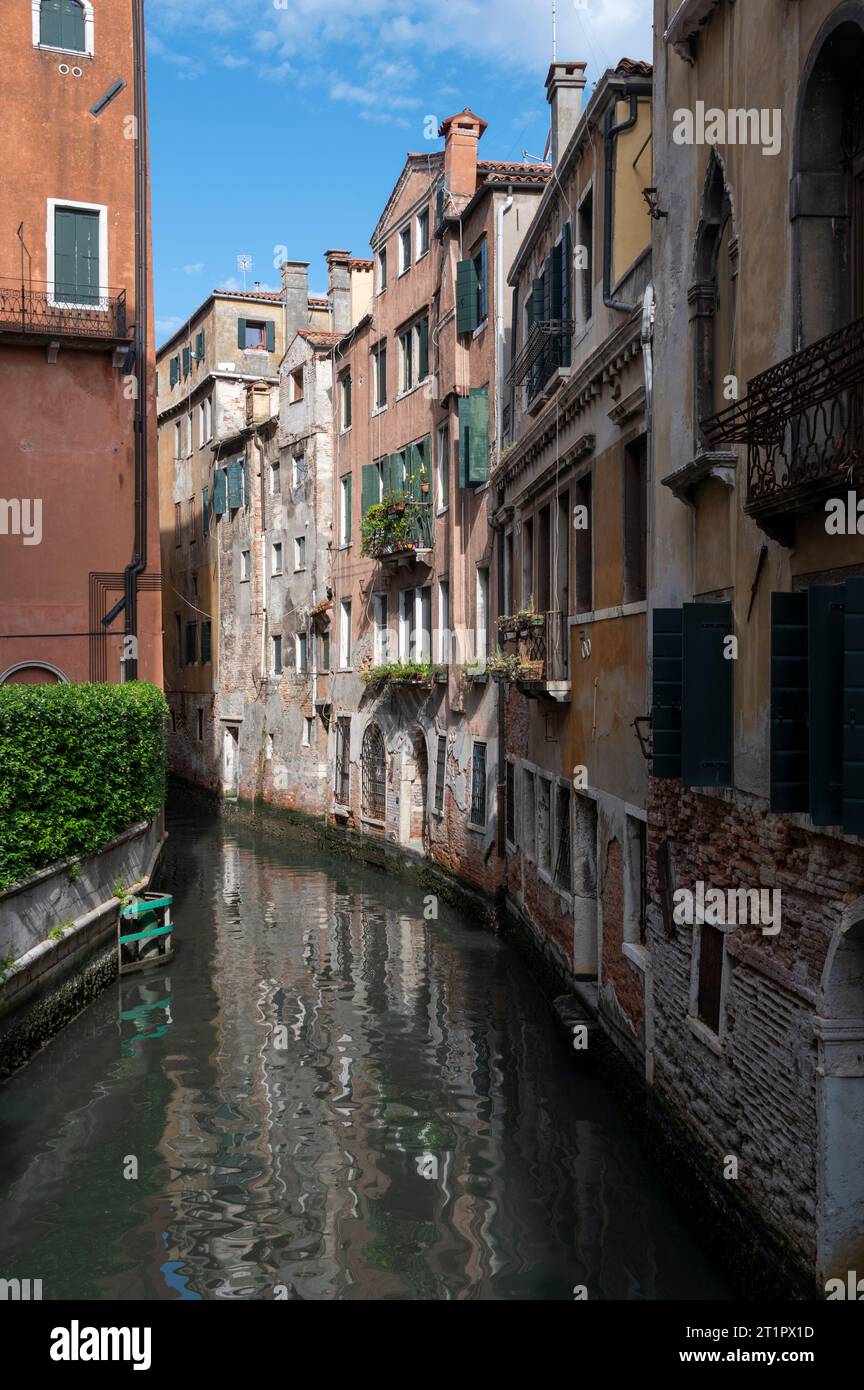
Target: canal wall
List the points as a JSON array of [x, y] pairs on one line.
[[58, 938], [759, 1263]]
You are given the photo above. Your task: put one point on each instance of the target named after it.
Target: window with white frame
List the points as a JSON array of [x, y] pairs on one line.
[[405, 248], [482, 624], [277, 654], [190, 443], [299, 552], [382, 635], [276, 566], [345, 634], [345, 401], [345, 510], [379, 359], [66, 25], [245, 564], [406, 360], [298, 469], [308, 731], [442, 468], [422, 234], [382, 269], [178, 439], [414, 354], [443, 644], [301, 653], [77, 238], [275, 479], [407, 624], [424, 623]]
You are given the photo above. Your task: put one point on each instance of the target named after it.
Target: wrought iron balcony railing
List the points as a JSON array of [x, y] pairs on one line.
[[37, 308], [803, 423], [397, 529], [542, 644], [542, 354]]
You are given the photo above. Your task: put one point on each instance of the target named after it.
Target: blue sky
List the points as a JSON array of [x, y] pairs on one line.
[[284, 123]]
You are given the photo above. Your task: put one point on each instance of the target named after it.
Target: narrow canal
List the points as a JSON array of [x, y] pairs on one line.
[[326, 1096]]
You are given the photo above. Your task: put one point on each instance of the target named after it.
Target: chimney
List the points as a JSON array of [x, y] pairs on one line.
[[461, 134], [339, 289], [295, 297], [564, 86]]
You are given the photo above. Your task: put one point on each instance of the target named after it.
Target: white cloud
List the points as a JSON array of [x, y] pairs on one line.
[[194, 269], [166, 327]]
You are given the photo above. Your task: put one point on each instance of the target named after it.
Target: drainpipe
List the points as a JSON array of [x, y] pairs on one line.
[[501, 845], [499, 320], [610, 136], [138, 563], [260, 447]]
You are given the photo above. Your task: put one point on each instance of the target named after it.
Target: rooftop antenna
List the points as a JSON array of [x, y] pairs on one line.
[[244, 263], [554, 32]]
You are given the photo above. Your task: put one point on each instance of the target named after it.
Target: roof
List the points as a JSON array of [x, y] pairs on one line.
[[360, 263], [634, 67], [318, 337], [256, 296], [506, 170]]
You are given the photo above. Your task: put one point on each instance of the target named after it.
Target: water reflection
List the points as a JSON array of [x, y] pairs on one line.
[[329, 1096]]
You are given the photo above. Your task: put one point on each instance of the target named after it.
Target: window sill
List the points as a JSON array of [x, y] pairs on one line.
[[373, 820], [344, 670], [481, 328], [346, 429], [344, 545], [478, 829], [73, 52], [701, 1031], [637, 954], [379, 410], [299, 569], [422, 256], [403, 272]]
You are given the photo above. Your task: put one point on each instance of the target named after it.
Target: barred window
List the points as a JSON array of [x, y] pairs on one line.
[[440, 770], [343, 745], [478, 785], [374, 768]]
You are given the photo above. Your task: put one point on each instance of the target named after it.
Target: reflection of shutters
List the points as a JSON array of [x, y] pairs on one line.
[[235, 484], [666, 691], [789, 759], [853, 710], [219, 491], [706, 725], [466, 296], [76, 256], [368, 487], [826, 610]]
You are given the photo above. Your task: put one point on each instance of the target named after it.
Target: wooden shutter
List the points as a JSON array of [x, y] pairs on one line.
[[235, 484], [173, 371], [555, 279], [423, 349], [413, 480], [790, 773], [187, 361], [666, 691], [271, 335], [199, 346], [826, 608], [349, 507], [478, 436], [206, 646], [853, 709], [205, 512], [439, 206], [466, 296], [76, 256], [566, 293], [483, 277], [220, 491], [706, 707], [535, 317], [247, 498], [51, 23], [241, 333], [384, 469], [368, 487], [397, 473], [464, 438]]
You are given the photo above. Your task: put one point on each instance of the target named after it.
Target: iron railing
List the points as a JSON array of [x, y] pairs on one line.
[[542, 354], [543, 650], [36, 307], [802, 421], [405, 529]]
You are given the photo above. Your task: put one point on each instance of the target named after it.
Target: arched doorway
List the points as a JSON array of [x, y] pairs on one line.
[[840, 1036], [373, 770], [33, 673]]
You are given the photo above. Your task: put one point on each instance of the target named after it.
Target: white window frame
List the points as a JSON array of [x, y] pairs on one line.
[[425, 252], [190, 435], [381, 652], [277, 637], [298, 469], [299, 639], [306, 740], [343, 510], [178, 440], [381, 262], [102, 208], [377, 352], [442, 443], [345, 634], [407, 623], [407, 380], [245, 566], [89, 32], [422, 632], [481, 632], [299, 553], [442, 646], [276, 558], [275, 474], [345, 380], [404, 256]]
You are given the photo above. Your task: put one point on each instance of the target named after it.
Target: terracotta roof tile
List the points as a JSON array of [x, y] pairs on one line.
[[318, 337], [635, 67]]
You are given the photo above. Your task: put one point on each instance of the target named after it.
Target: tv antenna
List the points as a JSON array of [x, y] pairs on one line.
[[244, 263]]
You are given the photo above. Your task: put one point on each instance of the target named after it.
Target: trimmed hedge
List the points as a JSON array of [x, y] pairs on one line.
[[78, 764]]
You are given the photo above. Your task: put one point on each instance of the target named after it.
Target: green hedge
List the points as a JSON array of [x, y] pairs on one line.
[[78, 764]]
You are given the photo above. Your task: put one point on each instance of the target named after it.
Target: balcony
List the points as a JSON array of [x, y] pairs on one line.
[[398, 531], [36, 311], [537, 654], [542, 360], [803, 423]]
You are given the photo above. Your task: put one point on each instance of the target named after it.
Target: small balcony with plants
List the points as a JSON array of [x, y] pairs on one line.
[[534, 654], [422, 675], [398, 530]]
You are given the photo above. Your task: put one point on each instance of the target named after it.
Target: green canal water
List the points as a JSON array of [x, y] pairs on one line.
[[326, 1096]]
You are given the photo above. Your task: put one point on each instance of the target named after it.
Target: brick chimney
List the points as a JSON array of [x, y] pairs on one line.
[[565, 83], [339, 289], [295, 297], [461, 134]]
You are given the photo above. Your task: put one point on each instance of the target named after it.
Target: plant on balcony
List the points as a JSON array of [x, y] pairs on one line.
[[503, 666], [510, 624], [400, 673], [392, 526]]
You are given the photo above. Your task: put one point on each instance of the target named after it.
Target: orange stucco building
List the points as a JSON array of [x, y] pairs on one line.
[[78, 486]]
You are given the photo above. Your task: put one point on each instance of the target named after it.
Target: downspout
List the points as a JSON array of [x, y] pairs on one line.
[[138, 563], [610, 136], [259, 446], [499, 320], [649, 308]]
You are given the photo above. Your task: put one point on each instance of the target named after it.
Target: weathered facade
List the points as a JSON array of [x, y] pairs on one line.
[[569, 507], [756, 597], [79, 543], [413, 714]]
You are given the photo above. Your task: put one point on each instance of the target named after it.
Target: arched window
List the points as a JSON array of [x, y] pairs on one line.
[[62, 24], [374, 770], [827, 202], [713, 299]]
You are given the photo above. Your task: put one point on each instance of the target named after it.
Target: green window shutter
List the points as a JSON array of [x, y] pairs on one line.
[[235, 484], [368, 487], [187, 361], [478, 437], [826, 606], [51, 23], [206, 646], [439, 206], [555, 281], [347, 420], [76, 256], [199, 346], [464, 438], [853, 710], [247, 497], [483, 283], [666, 691], [349, 507], [536, 316], [415, 459], [423, 353], [706, 707], [241, 333], [173, 371], [271, 336], [220, 491], [566, 293], [384, 468], [790, 777], [205, 512], [466, 296], [397, 473]]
